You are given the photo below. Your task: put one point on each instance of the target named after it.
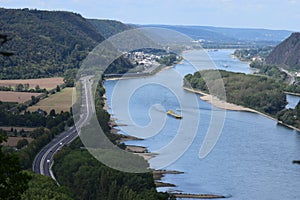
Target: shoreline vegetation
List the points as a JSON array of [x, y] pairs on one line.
[[213, 100], [266, 98]]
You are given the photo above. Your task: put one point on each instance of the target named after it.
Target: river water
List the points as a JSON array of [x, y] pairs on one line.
[[252, 158], [292, 101]]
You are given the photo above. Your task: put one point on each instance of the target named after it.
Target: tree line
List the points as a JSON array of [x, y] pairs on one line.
[[24, 88]]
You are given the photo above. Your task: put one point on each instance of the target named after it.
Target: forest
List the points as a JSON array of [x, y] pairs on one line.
[[109, 28], [49, 43], [269, 70], [274, 72], [87, 178]]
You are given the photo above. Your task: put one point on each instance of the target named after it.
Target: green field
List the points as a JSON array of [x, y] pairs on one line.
[[60, 101]]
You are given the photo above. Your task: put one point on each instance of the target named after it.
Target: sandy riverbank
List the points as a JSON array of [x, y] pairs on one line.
[[142, 75], [141, 151], [229, 106], [198, 196], [217, 102], [138, 150], [224, 105]]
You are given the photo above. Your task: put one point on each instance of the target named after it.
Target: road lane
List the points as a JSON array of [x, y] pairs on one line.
[[44, 159]]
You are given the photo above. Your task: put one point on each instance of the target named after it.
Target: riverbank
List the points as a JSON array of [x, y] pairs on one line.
[[143, 152], [291, 93], [198, 196], [221, 104], [230, 106], [138, 150], [141, 75]]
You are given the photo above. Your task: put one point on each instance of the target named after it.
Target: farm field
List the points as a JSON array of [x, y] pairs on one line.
[[13, 141], [60, 101], [8, 128], [20, 97], [48, 83]]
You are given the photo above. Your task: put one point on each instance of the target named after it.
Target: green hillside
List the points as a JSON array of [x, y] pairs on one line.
[[108, 28], [44, 43], [47, 43]]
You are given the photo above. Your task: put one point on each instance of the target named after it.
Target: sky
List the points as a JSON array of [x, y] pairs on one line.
[[269, 14]]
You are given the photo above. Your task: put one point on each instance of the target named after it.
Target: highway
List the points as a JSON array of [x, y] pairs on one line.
[[43, 161], [290, 75]]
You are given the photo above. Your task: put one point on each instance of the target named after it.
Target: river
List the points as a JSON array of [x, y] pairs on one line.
[[252, 158], [292, 101]]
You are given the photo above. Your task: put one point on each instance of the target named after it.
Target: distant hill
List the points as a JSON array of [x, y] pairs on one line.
[[109, 28], [47, 43], [210, 34], [44, 42], [287, 53]]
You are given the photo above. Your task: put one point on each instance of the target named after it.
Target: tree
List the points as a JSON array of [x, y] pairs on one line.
[[34, 100], [15, 132], [52, 113], [19, 87], [22, 143], [57, 88], [4, 39], [42, 187], [13, 182], [37, 88], [26, 86], [297, 109]]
